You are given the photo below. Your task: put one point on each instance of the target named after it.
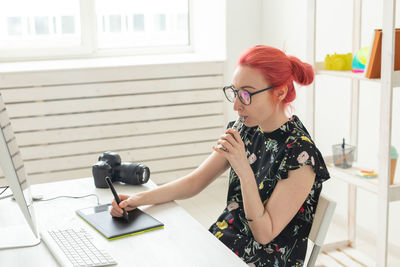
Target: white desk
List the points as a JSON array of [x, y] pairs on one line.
[[182, 242]]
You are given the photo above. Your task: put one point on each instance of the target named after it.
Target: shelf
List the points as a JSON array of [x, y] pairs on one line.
[[348, 176], [344, 256], [370, 184], [319, 68], [385, 193]]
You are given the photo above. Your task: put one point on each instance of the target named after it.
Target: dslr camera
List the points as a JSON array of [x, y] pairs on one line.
[[109, 164]]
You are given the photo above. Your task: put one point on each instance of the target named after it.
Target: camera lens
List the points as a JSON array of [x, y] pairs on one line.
[[145, 175], [132, 173]]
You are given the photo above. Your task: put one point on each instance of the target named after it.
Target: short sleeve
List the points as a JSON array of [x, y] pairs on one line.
[[300, 152]]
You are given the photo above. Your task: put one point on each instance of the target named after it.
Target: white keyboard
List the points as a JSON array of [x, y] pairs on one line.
[[75, 248]]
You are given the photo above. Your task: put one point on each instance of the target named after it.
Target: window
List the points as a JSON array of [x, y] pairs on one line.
[[142, 23], [34, 26], [50, 28]]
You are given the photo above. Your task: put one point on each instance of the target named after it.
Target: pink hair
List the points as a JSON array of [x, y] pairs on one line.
[[278, 69]]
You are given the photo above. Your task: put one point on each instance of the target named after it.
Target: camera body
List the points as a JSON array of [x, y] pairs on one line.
[[109, 164]]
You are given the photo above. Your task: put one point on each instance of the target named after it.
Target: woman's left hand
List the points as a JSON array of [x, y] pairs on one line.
[[235, 152]]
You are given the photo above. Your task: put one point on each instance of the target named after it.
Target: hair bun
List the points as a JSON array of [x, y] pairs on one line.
[[303, 73]]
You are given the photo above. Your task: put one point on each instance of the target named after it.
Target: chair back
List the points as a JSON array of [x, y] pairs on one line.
[[319, 229]]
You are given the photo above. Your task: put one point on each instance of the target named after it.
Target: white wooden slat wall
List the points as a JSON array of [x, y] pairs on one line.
[[164, 116]]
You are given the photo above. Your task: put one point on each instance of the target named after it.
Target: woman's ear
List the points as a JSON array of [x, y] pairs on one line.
[[280, 93]]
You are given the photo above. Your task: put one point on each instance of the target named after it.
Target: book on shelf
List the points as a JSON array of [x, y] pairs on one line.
[[373, 67]]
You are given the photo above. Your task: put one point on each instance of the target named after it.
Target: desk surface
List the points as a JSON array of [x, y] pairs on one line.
[[182, 242]]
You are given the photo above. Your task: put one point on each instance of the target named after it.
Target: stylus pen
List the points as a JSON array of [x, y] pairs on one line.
[[108, 180]]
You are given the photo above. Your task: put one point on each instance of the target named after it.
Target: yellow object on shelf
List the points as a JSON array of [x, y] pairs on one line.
[[338, 61], [367, 173]]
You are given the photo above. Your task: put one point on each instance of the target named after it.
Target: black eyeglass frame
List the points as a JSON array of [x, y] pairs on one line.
[[236, 92]]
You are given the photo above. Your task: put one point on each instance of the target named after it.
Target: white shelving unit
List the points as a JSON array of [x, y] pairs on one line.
[[389, 79]]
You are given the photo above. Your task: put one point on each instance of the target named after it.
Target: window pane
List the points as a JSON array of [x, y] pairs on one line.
[[14, 25], [42, 25], [138, 23], [39, 24], [115, 23], [160, 22], [182, 22], [54, 25], [68, 24], [103, 23]]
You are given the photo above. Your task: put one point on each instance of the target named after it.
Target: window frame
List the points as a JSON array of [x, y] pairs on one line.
[[89, 46]]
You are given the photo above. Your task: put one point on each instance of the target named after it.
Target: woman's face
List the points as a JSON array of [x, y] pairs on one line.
[[262, 107]]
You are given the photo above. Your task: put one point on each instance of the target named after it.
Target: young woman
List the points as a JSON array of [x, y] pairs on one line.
[[276, 170]]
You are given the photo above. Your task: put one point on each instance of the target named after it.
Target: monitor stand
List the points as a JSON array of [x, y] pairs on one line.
[[15, 232], [19, 236]]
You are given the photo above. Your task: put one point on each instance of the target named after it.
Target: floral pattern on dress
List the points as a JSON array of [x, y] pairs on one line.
[[271, 157]]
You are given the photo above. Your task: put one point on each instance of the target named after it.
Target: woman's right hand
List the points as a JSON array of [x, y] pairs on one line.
[[127, 202]]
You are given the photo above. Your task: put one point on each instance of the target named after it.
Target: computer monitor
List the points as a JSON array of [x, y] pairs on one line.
[[13, 169]]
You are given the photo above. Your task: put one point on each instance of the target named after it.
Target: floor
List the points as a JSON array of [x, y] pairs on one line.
[[208, 205]]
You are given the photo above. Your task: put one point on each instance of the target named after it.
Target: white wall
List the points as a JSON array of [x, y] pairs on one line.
[[243, 30], [284, 26]]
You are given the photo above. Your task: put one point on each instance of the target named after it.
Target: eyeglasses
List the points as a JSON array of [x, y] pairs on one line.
[[244, 95]]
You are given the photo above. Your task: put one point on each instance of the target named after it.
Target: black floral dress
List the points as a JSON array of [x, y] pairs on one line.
[[271, 157]]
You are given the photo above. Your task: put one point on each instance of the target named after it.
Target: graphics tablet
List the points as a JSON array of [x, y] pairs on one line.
[[110, 227]]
